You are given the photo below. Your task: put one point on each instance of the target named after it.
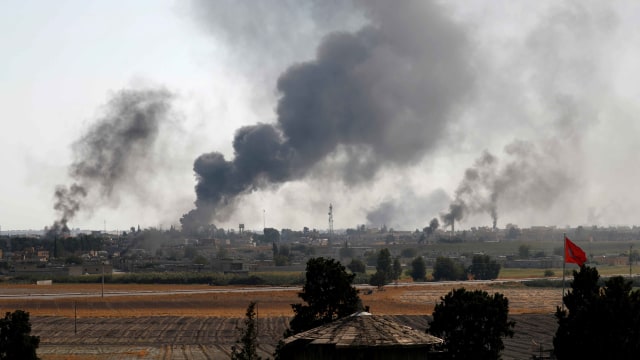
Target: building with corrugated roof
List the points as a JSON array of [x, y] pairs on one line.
[[361, 336]]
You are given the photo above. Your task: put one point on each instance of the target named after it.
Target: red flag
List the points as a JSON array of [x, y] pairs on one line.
[[573, 253]]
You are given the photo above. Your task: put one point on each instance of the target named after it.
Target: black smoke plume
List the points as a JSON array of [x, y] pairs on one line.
[[377, 97], [531, 178], [112, 151]]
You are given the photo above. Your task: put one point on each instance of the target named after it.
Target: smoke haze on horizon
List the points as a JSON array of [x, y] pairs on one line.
[[396, 113]]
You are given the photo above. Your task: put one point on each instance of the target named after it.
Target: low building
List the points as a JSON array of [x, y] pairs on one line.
[[43, 255], [27, 268], [91, 269], [229, 266], [361, 336], [24, 268]]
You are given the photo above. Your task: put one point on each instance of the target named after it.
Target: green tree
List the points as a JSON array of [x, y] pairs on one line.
[[281, 255], [357, 266], [483, 268], [328, 293], [384, 264], [248, 342], [472, 324], [524, 251], [15, 339], [598, 323], [447, 269], [418, 269], [397, 269], [378, 279], [408, 253], [384, 269]]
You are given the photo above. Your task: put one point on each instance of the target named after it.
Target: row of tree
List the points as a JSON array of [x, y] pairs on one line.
[[482, 268], [387, 270]]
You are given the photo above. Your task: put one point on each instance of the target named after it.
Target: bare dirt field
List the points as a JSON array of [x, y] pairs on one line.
[[200, 322]]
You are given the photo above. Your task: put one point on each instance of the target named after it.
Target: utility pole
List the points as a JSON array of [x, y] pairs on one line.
[[103, 279], [630, 248]]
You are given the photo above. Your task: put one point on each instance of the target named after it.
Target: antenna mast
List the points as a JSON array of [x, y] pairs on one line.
[[330, 220]]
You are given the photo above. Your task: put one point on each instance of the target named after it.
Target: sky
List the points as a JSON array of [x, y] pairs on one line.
[[117, 114]]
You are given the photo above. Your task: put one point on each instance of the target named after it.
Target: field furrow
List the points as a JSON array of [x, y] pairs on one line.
[[198, 322]]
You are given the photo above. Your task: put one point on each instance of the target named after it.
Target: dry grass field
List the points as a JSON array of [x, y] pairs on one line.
[[200, 322]]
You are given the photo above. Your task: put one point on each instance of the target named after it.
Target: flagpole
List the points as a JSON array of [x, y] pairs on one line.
[[564, 263]]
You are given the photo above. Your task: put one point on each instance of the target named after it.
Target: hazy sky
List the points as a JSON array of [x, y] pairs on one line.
[[391, 111]]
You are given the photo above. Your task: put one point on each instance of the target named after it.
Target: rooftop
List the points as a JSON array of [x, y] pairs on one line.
[[365, 330]]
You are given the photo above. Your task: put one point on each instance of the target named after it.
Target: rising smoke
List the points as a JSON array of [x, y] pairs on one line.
[[548, 87], [380, 96], [112, 152], [406, 208], [530, 178], [266, 37]]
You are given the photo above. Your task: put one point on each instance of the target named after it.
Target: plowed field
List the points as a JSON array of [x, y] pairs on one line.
[[200, 322]]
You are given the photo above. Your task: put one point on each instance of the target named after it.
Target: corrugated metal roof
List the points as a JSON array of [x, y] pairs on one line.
[[365, 330]]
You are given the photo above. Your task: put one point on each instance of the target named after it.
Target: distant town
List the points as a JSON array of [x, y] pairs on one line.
[[74, 252]]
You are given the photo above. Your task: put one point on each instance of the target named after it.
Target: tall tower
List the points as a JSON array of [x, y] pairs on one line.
[[330, 219]]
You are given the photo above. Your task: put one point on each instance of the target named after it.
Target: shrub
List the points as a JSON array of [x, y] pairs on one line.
[[548, 273]]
